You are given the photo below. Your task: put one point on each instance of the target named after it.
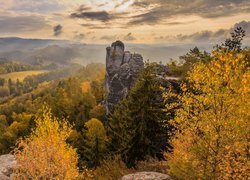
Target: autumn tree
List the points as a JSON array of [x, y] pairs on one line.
[[186, 62], [18, 128], [212, 136], [44, 154]]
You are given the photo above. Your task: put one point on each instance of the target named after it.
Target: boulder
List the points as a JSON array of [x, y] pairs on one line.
[[7, 162], [146, 176]]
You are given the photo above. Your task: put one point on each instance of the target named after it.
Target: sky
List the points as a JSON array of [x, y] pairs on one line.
[[132, 21]]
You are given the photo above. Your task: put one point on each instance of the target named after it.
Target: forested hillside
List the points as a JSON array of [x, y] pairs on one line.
[[188, 118], [69, 95]]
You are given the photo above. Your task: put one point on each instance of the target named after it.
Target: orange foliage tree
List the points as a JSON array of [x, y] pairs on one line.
[[212, 126]]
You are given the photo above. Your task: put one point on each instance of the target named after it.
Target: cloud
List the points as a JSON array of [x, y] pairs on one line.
[[20, 24], [123, 3], [79, 36], [129, 37], [156, 11], [102, 4], [57, 30], [110, 38], [103, 25], [98, 15], [203, 36], [95, 26], [208, 36], [86, 13], [42, 6], [83, 8]]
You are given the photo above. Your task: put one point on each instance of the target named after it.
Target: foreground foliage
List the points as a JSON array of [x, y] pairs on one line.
[[112, 168], [212, 137], [45, 153]]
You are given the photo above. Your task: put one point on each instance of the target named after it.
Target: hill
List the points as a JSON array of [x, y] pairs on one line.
[[37, 51]]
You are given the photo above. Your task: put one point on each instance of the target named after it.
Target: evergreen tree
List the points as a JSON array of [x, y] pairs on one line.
[[93, 143], [136, 124], [234, 43]]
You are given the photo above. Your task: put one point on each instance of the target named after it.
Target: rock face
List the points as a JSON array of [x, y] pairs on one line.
[[146, 176], [7, 162], [122, 68]]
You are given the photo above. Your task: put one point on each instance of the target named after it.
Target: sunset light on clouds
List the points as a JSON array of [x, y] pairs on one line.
[[134, 21]]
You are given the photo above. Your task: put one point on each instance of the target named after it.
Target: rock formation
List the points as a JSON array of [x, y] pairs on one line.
[[146, 176], [7, 162], [122, 68]]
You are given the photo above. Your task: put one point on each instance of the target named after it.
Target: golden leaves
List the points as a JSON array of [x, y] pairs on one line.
[[45, 153], [213, 123]]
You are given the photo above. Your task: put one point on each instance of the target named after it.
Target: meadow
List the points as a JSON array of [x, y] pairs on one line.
[[21, 75]]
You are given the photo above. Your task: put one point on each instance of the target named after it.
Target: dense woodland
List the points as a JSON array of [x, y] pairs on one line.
[[197, 130]]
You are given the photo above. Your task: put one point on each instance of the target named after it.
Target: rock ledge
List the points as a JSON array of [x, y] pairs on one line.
[[146, 176], [7, 162]]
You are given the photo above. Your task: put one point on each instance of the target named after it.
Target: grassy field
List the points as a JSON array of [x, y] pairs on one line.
[[20, 75]]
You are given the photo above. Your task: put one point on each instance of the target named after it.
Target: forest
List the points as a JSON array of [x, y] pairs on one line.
[[55, 123]]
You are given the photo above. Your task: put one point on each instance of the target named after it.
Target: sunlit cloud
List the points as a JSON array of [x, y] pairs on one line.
[[129, 20]]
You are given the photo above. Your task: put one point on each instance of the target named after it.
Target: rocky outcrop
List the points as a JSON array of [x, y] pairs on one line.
[[146, 176], [7, 162], [122, 69]]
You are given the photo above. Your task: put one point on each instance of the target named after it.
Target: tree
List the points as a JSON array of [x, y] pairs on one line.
[[4, 91], [136, 125], [95, 143], [98, 112], [11, 86], [44, 154], [234, 43], [192, 57], [212, 136], [195, 56], [20, 127], [187, 62]]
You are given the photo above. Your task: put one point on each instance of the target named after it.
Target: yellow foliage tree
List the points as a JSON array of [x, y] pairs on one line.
[[86, 87], [213, 132], [45, 153]]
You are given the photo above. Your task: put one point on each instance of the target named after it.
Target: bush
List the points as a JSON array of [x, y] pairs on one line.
[[113, 168]]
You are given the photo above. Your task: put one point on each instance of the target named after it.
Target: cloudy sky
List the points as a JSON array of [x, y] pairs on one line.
[[133, 21]]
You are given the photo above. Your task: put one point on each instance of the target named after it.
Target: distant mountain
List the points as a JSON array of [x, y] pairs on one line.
[[15, 43], [62, 52], [37, 51]]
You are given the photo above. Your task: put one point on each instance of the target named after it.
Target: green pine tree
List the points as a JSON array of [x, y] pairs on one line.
[[93, 144], [136, 125]]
